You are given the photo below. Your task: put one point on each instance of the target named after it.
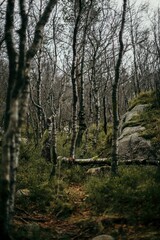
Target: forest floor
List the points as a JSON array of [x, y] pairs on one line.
[[83, 223]]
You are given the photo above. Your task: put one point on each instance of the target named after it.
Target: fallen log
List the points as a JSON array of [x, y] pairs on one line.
[[140, 162], [88, 161], [106, 161]]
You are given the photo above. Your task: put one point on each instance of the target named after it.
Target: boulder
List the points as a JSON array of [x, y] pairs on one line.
[[98, 170], [131, 144], [23, 192], [103, 237], [129, 116]]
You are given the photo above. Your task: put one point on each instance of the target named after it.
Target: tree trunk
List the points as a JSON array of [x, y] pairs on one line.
[[135, 80], [53, 146], [74, 84], [39, 99], [82, 122], [95, 94], [114, 166], [104, 115]]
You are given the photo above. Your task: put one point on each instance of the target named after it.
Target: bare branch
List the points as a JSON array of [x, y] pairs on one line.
[[38, 35]]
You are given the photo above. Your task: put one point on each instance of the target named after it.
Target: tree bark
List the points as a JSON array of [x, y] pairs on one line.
[[104, 115], [82, 122], [106, 161], [114, 166], [136, 80], [52, 138], [74, 84]]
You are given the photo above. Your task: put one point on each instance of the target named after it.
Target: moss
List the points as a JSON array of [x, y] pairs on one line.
[[132, 123], [143, 98], [149, 118], [151, 122], [147, 134]]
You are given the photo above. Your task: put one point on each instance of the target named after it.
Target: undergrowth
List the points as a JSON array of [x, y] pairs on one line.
[[134, 193], [45, 193], [91, 146]]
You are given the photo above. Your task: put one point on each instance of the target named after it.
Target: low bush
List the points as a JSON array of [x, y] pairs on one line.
[[133, 193], [74, 174]]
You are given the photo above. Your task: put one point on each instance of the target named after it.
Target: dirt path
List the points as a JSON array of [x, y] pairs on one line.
[[81, 224]]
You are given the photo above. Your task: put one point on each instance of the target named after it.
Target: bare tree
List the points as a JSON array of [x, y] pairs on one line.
[[114, 166], [82, 120], [78, 12]]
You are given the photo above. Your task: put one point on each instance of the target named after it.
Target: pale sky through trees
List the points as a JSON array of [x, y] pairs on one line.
[[152, 3]]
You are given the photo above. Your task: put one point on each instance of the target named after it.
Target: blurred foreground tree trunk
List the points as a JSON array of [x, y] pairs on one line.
[[16, 102]]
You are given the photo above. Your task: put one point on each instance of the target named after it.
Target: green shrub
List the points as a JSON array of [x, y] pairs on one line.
[[74, 174], [63, 209], [42, 196], [98, 193], [33, 231], [133, 193], [33, 169], [28, 231]]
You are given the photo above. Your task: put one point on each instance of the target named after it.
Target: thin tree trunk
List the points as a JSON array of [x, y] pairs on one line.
[[114, 165], [95, 94], [74, 84], [39, 98], [82, 122], [104, 115], [136, 80], [53, 147]]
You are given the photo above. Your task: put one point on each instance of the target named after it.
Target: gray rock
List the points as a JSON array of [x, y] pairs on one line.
[[128, 116], [131, 130], [23, 192], [131, 145], [103, 237], [98, 170], [135, 111], [134, 147]]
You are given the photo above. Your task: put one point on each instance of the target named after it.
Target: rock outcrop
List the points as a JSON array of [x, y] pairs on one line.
[[131, 144]]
